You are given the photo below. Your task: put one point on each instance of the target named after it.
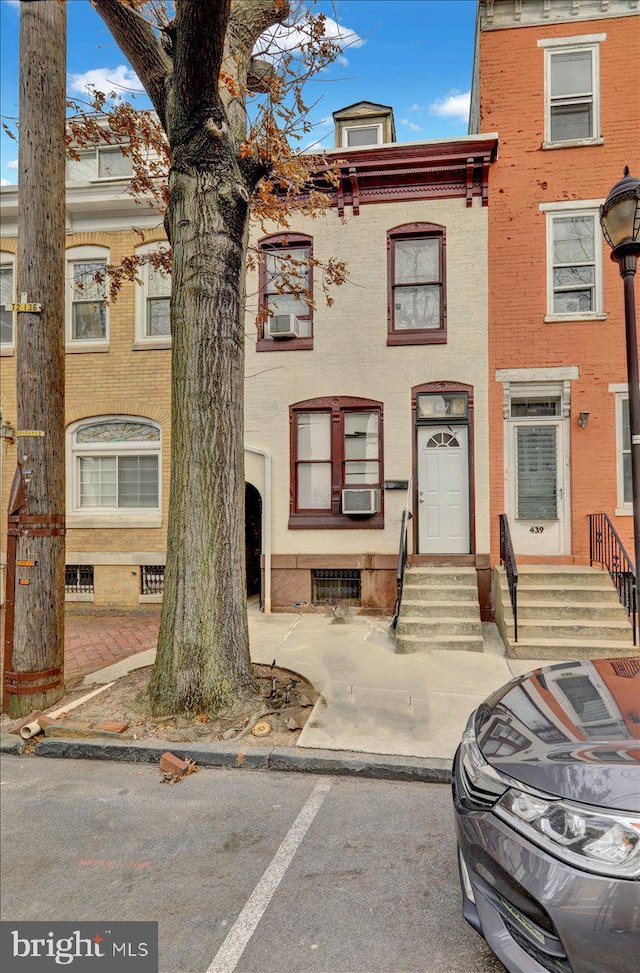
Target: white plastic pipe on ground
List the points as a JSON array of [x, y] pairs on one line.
[[33, 728]]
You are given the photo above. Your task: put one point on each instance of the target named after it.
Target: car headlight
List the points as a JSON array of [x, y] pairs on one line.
[[597, 841]]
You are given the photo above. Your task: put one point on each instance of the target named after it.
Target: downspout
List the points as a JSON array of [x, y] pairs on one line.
[[266, 524]]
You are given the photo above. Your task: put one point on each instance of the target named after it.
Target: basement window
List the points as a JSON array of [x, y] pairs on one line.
[[336, 585], [151, 579], [78, 579]]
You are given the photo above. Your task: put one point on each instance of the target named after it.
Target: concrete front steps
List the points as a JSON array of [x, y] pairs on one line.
[[564, 612], [439, 610]]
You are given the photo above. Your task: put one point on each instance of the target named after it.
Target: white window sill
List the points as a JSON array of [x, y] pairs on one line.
[[624, 512], [151, 344], [114, 520], [6, 351], [150, 599], [573, 143], [86, 347], [568, 318], [100, 179], [78, 597]]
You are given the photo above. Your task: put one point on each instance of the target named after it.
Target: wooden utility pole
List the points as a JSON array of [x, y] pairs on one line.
[[35, 659]]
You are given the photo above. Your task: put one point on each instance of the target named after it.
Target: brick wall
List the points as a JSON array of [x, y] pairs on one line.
[[512, 103]]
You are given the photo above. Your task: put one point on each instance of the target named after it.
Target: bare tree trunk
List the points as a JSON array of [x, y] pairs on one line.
[[38, 651], [203, 660]]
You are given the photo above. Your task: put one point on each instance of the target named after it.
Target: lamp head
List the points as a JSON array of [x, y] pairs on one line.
[[620, 214]]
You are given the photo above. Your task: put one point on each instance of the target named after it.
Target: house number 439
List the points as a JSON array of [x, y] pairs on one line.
[[536, 529]]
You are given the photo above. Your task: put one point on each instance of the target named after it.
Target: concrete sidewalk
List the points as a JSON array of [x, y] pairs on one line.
[[373, 701]]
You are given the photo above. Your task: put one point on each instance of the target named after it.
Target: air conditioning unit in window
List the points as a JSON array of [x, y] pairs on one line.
[[360, 502], [283, 326]]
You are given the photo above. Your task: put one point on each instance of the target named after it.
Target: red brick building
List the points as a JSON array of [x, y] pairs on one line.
[[559, 81]]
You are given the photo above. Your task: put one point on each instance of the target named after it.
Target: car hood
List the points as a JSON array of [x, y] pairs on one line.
[[571, 730]]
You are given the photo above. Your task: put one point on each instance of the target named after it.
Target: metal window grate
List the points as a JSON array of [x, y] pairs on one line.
[[151, 579], [336, 584], [78, 579]]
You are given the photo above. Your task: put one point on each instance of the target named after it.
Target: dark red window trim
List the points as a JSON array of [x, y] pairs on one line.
[[417, 336], [336, 407], [282, 241]]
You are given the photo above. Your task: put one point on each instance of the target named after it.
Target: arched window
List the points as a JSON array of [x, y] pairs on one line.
[[7, 297], [286, 292], [417, 303], [336, 463], [115, 467], [153, 295], [87, 313]]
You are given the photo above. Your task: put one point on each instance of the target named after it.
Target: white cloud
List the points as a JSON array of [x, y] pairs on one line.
[[415, 107], [281, 38], [13, 164], [410, 125], [5, 182], [455, 106], [14, 3], [105, 80]]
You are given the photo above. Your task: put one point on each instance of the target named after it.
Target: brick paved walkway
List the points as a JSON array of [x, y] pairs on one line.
[[98, 638]]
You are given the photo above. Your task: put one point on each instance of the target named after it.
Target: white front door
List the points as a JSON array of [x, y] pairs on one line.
[[443, 489], [536, 486]]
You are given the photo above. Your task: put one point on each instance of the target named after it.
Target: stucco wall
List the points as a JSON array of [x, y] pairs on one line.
[[351, 357]]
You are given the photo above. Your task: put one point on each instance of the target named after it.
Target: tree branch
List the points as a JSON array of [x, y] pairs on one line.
[[137, 41], [200, 31], [260, 72], [250, 19]]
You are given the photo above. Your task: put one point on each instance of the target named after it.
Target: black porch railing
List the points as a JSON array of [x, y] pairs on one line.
[[607, 549], [402, 556], [508, 562]]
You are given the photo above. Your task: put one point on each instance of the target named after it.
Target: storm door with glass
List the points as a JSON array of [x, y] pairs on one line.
[[535, 474]]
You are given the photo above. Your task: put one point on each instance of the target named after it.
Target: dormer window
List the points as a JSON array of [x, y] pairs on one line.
[[356, 135], [364, 124]]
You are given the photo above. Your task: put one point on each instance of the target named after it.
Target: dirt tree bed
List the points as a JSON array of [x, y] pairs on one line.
[[285, 698]]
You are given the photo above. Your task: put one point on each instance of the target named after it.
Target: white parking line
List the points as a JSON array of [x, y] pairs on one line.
[[228, 956]]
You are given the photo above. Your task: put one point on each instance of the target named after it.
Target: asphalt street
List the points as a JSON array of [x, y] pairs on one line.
[[245, 871]]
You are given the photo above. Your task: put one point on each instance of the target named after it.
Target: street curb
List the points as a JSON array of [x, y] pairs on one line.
[[11, 744], [298, 760]]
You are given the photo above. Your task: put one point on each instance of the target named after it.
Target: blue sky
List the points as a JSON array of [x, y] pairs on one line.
[[415, 55]]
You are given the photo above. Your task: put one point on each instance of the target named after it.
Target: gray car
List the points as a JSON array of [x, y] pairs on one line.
[[546, 789]]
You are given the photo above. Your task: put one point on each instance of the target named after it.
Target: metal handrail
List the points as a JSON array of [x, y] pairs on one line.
[[402, 554], [508, 561], [606, 549]]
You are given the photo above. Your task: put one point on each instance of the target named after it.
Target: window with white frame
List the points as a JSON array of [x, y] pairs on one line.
[[102, 162], [7, 296], [574, 258], [623, 450], [572, 96], [153, 295], [115, 464], [86, 306]]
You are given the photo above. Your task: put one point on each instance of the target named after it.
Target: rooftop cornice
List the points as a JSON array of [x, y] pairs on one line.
[[394, 152], [505, 14]]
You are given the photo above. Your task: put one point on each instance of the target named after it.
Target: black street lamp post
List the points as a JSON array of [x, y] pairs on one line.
[[620, 221]]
